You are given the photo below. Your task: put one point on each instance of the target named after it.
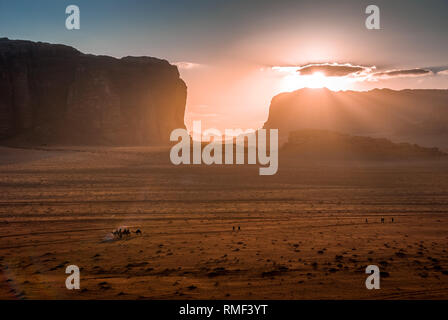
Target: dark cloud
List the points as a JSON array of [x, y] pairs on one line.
[[360, 72], [403, 73], [332, 70]]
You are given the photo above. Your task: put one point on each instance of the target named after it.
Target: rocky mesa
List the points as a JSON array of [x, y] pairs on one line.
[[415, 116], [56, 94]]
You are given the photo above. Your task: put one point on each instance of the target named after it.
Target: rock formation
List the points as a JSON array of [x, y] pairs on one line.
[[328, 145], [416, 116], [56, 94]]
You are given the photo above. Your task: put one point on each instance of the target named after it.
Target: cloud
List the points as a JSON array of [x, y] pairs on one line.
[[355, 73], [417, 72], [334, 69], [288, 69], [186, 65], [328, 69]]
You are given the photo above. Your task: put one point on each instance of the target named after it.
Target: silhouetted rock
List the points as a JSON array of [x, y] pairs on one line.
[[417, 116], [328, 145], [56, 94]]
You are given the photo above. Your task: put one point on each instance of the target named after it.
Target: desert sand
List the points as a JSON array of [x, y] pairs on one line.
[[303, 231]]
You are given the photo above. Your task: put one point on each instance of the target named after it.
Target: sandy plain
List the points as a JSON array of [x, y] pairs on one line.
[[303, 232]]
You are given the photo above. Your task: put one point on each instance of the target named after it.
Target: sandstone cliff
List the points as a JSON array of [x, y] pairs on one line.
[[416, 116], [56, 94]]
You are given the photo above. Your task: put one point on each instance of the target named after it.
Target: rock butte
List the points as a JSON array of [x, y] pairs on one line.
[[413, 115], [56, 94]]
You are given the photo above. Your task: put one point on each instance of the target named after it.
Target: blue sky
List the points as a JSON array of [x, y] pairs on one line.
[[183, 30]]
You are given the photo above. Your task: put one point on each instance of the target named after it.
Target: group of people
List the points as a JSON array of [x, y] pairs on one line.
[[120, 233], [382, 220]]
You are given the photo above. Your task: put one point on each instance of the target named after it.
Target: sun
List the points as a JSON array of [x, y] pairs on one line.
[[316, 80]]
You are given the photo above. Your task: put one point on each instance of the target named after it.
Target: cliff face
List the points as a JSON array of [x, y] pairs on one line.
[[416, 116], [56, 94]]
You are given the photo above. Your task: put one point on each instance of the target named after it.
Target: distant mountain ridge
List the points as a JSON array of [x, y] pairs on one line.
[[416, 116], [55, 94], [328, 145]]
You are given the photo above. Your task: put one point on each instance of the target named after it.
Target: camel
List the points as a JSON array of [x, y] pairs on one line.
[[117, 233], [120, 233]]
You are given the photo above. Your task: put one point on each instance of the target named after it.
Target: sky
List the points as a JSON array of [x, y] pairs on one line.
[[235, 56]]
